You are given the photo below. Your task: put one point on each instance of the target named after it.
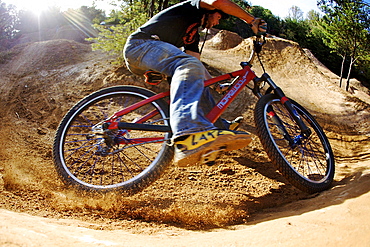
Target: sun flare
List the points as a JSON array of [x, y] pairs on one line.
[[39, 6], [35, 6]]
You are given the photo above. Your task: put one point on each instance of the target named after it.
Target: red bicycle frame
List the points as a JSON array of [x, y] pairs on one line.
[[244, 76]]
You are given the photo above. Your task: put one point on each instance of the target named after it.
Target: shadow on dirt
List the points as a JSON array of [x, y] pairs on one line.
[[348, 188]]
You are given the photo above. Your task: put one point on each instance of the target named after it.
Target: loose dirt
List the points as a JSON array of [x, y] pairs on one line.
[[240, 200]]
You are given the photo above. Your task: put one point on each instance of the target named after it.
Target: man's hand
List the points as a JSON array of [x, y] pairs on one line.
[[259, 26]]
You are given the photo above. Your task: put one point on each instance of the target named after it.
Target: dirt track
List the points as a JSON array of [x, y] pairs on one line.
[[242, 191]]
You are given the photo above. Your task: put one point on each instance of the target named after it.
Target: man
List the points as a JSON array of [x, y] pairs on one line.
[[155, 46]]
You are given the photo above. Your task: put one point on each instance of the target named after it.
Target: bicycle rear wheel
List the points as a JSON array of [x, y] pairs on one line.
[[307, 163], [124, 160]]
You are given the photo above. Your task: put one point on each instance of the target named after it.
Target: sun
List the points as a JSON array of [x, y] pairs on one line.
[[35, 6], [40, 7]]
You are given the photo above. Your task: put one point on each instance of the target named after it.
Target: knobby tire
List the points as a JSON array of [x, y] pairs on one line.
[[309, 163], [84, 160]]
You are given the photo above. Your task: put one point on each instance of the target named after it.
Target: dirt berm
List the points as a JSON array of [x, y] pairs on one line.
[[240, 201]]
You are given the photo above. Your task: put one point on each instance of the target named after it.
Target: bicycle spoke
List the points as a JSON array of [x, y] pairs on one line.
[[108, 159], [307, 156]]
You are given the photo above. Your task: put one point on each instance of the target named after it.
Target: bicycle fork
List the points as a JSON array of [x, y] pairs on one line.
[[305, 131]]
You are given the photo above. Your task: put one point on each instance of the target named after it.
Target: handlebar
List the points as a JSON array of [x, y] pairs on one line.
[[257, 47]]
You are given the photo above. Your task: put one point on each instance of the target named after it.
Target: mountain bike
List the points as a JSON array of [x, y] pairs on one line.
[[117, 138]]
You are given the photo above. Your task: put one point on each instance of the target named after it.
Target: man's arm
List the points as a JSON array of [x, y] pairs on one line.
[[193, 53], [258, 25], [229, 8]]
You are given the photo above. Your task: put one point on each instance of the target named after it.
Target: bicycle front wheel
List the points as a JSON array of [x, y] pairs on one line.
[[306, 162], [124, 160]]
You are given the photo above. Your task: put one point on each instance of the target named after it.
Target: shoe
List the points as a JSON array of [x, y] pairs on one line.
[[234, 125], [204, 146]]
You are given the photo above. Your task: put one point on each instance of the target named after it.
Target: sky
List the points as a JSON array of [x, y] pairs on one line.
[[278, 7], [281, 7]]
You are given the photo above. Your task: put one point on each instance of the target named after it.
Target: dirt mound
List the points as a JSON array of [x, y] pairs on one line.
[[345, 116], [43, 80], [304, 80], [224, 40], [45, 56]]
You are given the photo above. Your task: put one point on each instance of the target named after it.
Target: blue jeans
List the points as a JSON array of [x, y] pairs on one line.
[[186, 90]]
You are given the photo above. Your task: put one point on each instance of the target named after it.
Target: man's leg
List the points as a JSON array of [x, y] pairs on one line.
[[194, 135], [186, 114]]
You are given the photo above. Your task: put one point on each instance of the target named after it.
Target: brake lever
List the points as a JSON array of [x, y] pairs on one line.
[[258, 45]]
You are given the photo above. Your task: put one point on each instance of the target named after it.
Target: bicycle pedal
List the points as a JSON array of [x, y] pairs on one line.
[[153, 77], [210, 157]]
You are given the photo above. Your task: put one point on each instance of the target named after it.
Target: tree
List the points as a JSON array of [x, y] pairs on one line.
[[119, 25], [236, 25], [94, 15], [83, 19], [274, 23], [8, 20], [295, 13], [346, 31], [296, 30], [29, 22], [154, 6], [313, 16]]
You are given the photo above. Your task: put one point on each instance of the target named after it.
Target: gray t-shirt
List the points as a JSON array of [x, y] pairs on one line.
[[177, 25]]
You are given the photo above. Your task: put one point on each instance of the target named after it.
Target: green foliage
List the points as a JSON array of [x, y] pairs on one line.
[[295, 13], [238, 26], [93, 14], [315, 42], [309, 34], [274, 23], [8, 20], [346, 31], [113, 35], [296, 30]]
